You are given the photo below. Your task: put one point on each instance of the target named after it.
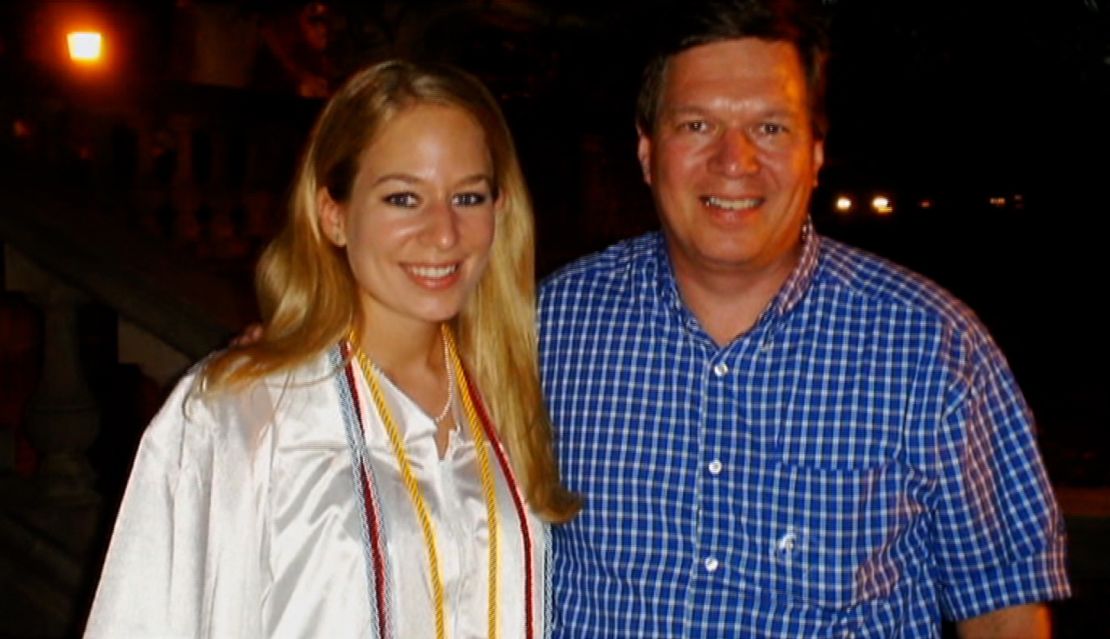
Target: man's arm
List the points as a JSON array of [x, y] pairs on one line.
[[1030, 621], [1000, 540]]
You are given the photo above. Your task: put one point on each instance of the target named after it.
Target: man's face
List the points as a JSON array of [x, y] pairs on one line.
[[732, 159]]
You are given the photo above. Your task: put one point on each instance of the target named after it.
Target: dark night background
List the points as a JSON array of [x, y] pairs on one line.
[[945, 102]]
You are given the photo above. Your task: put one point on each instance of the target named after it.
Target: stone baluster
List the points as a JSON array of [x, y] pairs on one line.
[[225, 239], [260, 216], [149, 194], [63, 417], [185, 196], [20, 343]]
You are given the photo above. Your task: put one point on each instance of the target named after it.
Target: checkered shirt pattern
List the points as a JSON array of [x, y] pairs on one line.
[[858, 464]]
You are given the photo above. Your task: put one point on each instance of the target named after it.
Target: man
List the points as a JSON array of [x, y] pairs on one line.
[[777, 434]]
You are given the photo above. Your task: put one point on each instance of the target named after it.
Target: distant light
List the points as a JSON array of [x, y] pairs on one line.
[[21, 129], [998, 202], [925, 204], [85, 46], [882, 205], [1019, 201], [844, 204]]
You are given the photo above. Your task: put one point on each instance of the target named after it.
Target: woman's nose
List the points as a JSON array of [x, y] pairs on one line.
[[442, 229]]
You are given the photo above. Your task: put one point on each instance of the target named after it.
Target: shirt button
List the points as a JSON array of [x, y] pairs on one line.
[[715, 467], [711, 564], [720, 369]]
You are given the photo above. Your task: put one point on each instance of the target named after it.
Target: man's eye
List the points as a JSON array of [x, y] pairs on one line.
[[469, 199], [694, 126], [771, 129], [407, 200]]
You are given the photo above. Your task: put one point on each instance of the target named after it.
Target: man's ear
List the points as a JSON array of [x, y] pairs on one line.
[[332, 219], [643, 151], [818, 158]]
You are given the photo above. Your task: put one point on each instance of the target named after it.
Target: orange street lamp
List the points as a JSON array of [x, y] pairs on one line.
[[882, 205], [85, 47]]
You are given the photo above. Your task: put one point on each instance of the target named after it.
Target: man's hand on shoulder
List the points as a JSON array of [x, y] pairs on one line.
[[250, 335]]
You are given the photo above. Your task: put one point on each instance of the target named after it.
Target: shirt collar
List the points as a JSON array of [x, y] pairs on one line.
[[664, 273], [795, 286], [791, 292]]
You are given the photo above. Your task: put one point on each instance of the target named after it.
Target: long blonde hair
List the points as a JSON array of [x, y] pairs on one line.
[[308, 295]]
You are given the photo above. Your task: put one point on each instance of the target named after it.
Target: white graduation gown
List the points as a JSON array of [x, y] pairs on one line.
[[241, 520]]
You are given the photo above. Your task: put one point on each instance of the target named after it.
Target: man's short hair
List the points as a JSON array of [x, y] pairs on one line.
[[698, 23]]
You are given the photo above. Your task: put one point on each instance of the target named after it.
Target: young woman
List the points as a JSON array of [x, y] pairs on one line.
[[379, 463]]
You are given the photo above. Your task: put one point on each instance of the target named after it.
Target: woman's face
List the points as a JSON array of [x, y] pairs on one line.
[[420, 219]]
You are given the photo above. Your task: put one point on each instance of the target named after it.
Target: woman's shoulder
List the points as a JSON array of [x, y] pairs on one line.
[[196, 417]]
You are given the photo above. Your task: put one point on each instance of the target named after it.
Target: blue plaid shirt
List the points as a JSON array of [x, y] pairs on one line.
[[857, 464]]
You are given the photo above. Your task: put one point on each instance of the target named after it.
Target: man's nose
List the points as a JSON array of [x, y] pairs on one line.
[[734, 154]]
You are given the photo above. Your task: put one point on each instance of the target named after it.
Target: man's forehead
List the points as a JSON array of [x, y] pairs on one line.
[[734, 68], [738, 57], [760, 107]]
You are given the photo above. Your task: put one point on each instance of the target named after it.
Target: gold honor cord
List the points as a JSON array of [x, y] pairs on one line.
[[413, 488], [479, 437]]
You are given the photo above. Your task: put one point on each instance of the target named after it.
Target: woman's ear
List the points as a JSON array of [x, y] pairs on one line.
[[500, 203], [332, 218]]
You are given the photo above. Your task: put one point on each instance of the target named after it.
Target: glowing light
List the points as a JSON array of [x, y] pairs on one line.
[[925, 204], [997, 202], [844, 204], [85, 47], [882, 205], [21, 129]]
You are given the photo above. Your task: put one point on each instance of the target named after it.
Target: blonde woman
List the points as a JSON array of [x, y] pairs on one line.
[[379, 463]]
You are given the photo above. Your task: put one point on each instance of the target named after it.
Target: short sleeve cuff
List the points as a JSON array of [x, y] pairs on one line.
[[1040, 577]]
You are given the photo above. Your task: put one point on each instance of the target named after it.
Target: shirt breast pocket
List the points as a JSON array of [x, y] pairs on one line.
[[832, 534]]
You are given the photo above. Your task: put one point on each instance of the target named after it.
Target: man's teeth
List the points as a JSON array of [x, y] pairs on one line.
[[732, 205], [434, 271]]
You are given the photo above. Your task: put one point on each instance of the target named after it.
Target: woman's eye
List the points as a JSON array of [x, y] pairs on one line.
[[407, 200], [470, 199]]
